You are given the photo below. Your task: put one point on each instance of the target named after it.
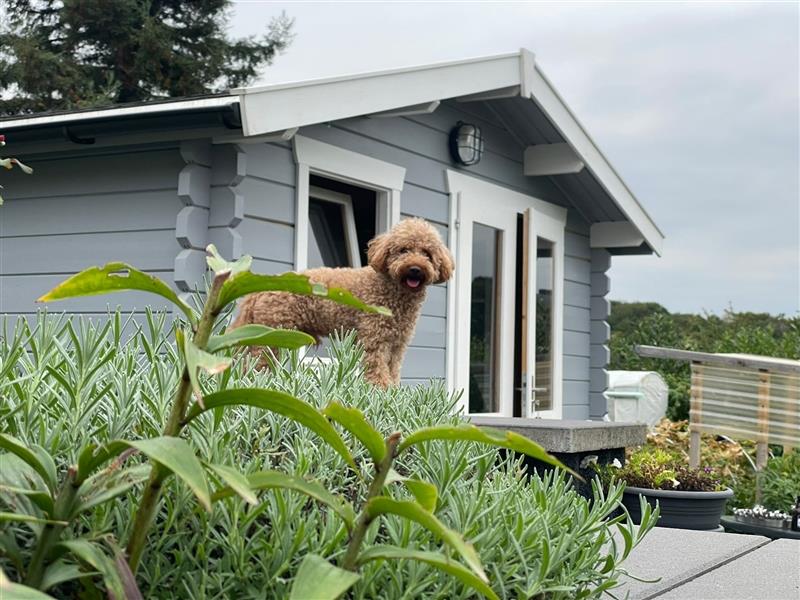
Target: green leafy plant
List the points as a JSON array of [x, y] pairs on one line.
[[657, 469], [78, 381], [8, 163], [780, 481], [98, 476]]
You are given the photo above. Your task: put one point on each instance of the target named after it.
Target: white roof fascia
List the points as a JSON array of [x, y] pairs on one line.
[[123, 111], [273, 108], [542, 92]]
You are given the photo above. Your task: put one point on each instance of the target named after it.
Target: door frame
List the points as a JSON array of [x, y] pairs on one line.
[[462, 187]]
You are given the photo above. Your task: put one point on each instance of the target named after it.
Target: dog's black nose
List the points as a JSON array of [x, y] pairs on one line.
[[414, 271]]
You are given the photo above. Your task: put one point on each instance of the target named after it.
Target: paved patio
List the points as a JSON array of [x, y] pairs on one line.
[[702, 565]]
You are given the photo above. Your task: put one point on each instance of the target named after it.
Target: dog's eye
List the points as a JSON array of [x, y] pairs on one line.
[[427, 255]]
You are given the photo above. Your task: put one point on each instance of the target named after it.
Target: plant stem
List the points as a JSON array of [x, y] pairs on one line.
[[148, 506], [364, 519], [52, 531]]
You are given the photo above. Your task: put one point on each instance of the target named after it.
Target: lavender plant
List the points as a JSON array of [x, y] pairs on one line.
[[54, 502]]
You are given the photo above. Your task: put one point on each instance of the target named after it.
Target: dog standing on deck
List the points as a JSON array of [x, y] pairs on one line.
[[402, 264]]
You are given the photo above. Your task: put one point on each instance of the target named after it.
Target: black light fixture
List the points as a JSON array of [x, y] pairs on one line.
[[466, 144]]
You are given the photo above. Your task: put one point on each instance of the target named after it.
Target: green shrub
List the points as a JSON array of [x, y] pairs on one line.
[[657, 469], [780, 482], [80, 382]]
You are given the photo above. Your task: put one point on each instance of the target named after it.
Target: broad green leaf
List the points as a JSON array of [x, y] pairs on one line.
[[424, 492], [484, 435], [107, 485], [35, 456], [16, 591], [92, 457], [115, 277], [259, 335], [199, 359], [19, 517], [280, 403], [246, 282], [235, 481], [61, 571], [318, 579], [354, 421], [219, 265], [263, 480], [435, 559], [408, 509], [177, 456], [41, 498], [92, 555]]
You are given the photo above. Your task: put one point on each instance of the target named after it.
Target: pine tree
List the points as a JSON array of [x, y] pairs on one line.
[[73, 54]]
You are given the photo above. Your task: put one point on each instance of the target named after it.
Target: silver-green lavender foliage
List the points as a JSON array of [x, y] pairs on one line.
[[64, 383]]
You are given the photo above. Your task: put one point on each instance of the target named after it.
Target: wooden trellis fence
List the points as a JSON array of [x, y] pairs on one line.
[[743, 396]]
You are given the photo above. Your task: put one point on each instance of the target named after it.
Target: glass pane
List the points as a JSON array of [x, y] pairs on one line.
[[543, 389], [483, 319], [327, 246]]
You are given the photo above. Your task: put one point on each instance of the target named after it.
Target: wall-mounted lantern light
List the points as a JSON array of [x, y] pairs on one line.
[[466, 144]]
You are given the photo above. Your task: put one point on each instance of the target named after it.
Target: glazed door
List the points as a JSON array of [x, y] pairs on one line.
[[505, 344], [485, 307], [543, 301]]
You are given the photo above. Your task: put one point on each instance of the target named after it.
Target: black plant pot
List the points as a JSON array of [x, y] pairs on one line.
[[680, 509]]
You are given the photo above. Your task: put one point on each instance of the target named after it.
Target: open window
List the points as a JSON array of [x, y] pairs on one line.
[[343, 200], [342, 218]]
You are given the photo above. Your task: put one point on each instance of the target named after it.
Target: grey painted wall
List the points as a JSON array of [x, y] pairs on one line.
[[158, 207], [88, 208]]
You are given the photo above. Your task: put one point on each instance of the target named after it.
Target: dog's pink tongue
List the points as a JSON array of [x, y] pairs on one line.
[[412, 283]]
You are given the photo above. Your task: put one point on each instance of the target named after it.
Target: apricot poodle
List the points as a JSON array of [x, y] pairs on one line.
[[402, 264]]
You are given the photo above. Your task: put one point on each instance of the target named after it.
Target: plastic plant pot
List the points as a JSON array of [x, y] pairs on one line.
[[680, 509]]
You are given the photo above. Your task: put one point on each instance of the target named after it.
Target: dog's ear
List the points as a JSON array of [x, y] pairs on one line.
[[378, 252], [446, 265]]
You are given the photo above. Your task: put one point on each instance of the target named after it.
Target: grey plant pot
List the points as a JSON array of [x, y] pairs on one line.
[[680, 509]]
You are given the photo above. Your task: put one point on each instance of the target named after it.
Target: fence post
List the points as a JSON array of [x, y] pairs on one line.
[[695, 414], [762, 447]]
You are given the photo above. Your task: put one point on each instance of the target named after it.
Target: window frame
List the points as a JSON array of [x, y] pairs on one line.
[[326, 160], [348, 219]]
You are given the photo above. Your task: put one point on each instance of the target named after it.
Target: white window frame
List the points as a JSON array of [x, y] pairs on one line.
[[318, 158], [548, 221], [348, 219]]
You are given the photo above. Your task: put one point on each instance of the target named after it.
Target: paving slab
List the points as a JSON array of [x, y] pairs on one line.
[[771, 572], [679, 555]]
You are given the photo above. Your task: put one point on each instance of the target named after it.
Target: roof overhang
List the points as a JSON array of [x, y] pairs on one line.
[[275, 110]]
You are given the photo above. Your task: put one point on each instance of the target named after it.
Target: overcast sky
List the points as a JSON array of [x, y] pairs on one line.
[[696, 105]]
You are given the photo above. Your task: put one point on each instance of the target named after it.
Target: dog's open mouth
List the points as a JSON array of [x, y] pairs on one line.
[[413, 282]]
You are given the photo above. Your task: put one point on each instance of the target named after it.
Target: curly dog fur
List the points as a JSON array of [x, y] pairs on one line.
[[402, 263]]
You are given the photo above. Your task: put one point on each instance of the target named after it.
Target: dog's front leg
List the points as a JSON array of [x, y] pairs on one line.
[[396, 362], [377, 357]]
